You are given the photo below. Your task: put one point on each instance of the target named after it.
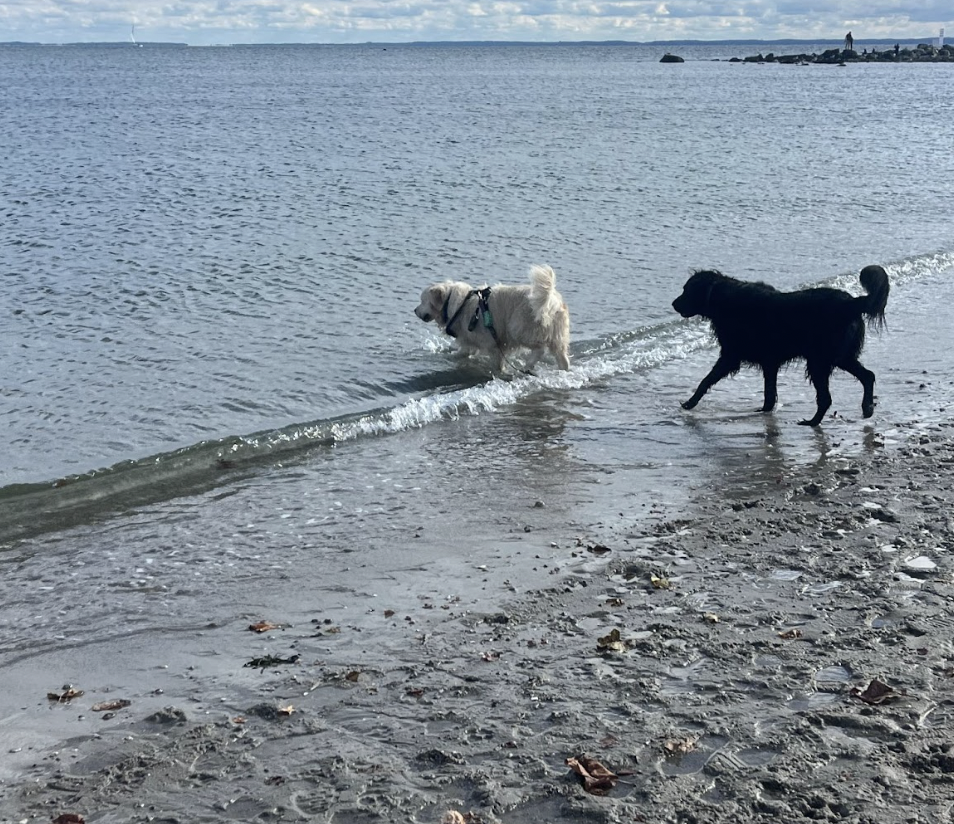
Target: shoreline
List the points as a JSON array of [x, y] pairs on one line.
[[751, 633]]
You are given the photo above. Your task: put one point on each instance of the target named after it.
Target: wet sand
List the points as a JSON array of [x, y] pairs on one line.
[[784, 656]]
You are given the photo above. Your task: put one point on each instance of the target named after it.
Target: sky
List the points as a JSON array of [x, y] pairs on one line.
[[213, 22]]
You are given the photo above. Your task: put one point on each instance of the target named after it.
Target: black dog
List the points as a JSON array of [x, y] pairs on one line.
[[756, 324]]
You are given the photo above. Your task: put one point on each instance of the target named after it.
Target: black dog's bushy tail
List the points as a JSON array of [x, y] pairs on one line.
[[875, 281]]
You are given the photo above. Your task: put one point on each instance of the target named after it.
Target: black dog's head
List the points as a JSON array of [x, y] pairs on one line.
[[697, 293]]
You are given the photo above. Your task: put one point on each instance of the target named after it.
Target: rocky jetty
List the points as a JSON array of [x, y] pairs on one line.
[[923, 53]]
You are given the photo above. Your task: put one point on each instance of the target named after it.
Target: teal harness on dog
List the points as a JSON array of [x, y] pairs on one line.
[[481, 313]]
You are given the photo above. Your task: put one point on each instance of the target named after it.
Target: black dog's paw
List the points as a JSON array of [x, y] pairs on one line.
[[689, 404], [867, 409], [812, 422]]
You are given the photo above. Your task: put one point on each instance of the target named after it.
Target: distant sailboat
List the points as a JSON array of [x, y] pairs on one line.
[[132, 36]]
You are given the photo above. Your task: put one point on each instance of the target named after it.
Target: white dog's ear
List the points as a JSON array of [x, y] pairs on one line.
[[439, 293]]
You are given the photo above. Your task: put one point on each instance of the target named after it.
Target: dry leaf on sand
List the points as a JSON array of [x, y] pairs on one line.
[[264, 626], [597, 779], [877, 692]]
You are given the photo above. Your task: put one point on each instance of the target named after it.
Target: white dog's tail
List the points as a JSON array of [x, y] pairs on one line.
[[544, 298]]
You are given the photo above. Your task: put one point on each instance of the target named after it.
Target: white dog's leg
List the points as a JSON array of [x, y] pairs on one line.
[[532, 360]]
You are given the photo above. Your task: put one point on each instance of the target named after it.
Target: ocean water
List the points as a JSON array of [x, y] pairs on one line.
[[216, 399]]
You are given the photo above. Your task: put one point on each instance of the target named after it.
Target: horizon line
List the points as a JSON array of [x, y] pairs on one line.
[[615, 42]]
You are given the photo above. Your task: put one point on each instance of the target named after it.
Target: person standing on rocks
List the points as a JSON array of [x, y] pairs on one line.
[[849, 42]]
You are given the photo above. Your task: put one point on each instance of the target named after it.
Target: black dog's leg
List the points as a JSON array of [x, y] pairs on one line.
[[723, 368], [867, 378], [819, 376], [770, 373]]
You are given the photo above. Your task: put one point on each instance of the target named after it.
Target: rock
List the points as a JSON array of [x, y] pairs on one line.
[[923, 53], [671, 58], [168, 715]]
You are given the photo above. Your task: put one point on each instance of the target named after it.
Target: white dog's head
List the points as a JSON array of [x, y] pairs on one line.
[[433, 299]]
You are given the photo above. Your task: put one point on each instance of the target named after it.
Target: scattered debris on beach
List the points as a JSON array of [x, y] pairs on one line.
[[877, 692], [271, 661], [265, 626], [678, 747], [733, 698], [597, 778], [111, 706], [68, 694], [611, 642]]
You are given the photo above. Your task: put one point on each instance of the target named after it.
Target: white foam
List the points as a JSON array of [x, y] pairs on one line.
[[652, 348]]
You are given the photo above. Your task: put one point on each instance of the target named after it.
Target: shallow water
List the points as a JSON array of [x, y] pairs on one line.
[[394, 519]]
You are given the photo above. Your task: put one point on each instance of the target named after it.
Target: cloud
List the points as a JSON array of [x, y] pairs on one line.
[[328, 21]]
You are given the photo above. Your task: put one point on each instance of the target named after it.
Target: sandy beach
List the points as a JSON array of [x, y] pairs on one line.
[[271, 552], [785, 655]]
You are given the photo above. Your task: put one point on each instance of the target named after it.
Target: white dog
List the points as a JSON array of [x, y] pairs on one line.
[[501, 320]]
